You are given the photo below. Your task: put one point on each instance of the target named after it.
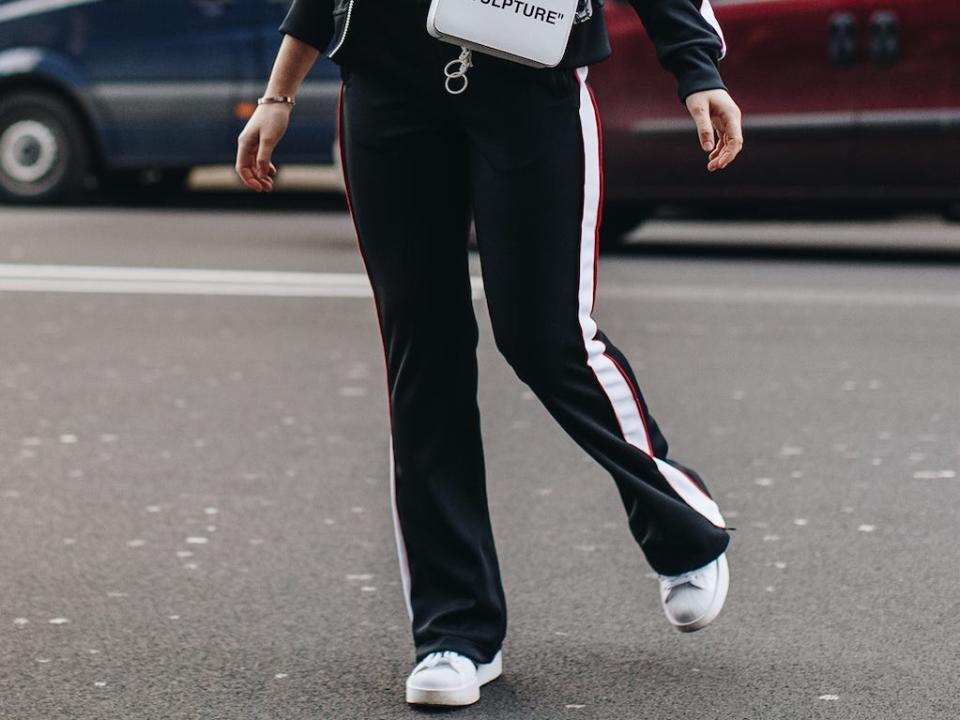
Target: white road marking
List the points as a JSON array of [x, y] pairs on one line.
[[180, 281], [263, 283], [935, 474]]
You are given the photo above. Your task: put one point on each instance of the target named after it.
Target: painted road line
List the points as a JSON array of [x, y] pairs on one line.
[[180, 281], [184, 281], [264, 283]]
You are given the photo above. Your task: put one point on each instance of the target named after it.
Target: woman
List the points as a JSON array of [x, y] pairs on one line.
[[518, 150]]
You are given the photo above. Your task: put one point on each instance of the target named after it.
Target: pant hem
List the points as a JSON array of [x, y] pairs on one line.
[[465, 647], [677, 565]]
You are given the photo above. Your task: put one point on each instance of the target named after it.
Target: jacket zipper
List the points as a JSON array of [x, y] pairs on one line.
[[346, 29]]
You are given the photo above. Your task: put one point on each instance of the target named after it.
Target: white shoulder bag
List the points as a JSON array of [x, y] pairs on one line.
[[530, 32]]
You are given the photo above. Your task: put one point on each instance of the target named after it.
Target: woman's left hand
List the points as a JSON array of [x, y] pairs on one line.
[[717, 116]]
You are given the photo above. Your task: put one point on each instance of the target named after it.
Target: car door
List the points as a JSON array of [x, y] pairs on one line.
[[788, 65], [165, 77], [908, 98], [312, 133]]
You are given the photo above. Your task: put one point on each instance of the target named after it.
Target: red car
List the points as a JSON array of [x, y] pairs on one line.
[[849, 100]]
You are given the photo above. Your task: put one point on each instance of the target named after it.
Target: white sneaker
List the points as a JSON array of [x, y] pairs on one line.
[[693, 600], [450, 679]]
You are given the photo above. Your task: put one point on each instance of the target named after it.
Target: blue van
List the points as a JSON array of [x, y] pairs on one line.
[[98, 88]]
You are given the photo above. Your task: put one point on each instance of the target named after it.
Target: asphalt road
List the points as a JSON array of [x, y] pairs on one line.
[[194, 510]]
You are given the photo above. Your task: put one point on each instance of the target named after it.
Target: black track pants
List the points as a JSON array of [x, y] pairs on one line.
[[520, 150]]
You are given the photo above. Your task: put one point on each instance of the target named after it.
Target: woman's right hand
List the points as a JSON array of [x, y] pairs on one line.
[[256, 144]]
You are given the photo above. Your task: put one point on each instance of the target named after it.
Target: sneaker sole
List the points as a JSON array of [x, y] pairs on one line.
[[723, 584], [458, 697]]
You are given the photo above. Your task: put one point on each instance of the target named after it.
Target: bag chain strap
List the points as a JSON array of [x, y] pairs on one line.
[[457, 70]]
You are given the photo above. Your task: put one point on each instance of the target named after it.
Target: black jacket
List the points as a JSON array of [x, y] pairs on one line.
[[686, 35]]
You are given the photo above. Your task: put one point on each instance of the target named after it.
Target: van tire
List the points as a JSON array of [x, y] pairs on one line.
[[44, 150]]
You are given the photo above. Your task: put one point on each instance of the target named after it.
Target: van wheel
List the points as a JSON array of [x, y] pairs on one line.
[[43, 149]]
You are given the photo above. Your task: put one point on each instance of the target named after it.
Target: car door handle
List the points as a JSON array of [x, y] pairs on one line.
[[843, 39], [884, 37]]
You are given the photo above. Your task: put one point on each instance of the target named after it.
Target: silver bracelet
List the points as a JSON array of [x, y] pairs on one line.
[[276, 99]]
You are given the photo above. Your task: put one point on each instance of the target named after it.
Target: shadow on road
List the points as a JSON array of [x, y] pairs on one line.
[[839, 232], [827, 248], [799, 253], [146, 198]]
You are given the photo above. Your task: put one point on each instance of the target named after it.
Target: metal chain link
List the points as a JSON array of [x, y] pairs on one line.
[[457, 70]]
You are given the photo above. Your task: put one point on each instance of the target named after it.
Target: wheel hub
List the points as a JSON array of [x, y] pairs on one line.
[[28, 151]]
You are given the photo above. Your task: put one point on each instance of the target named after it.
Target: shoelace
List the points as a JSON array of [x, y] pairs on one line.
[[693, 576], [445, 657], [457, 70]]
